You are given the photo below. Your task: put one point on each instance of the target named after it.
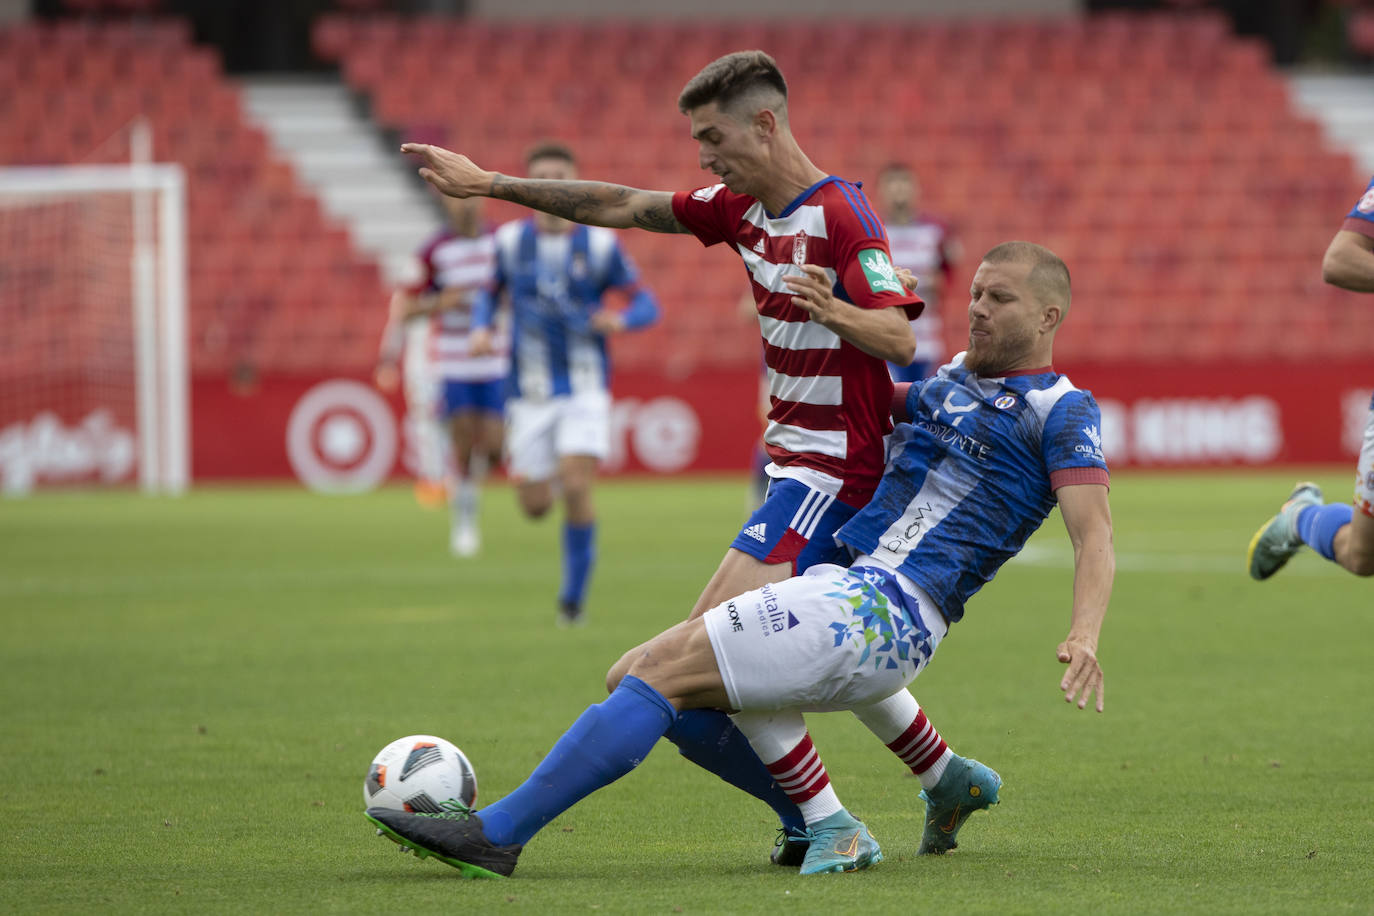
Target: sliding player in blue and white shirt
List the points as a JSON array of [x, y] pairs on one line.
[[997, 438], [1341, 533], [554, 274]]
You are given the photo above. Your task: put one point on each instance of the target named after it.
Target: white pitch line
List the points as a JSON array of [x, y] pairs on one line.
[[1153, 562]]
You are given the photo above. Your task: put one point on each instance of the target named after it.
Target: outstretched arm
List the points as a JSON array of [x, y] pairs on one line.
[[1349, 262], [1088, 519], [594, 203]]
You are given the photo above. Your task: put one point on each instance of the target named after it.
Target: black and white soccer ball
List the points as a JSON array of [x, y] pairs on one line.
[[419, 773]]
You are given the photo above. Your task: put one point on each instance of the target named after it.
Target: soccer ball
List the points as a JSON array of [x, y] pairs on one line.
[[417, 774]]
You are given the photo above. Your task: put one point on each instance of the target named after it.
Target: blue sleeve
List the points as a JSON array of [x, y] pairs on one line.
[[913, 398], [1364, 208], [621, 273], [620, 270], [642, 310], [485, 302], [1072, 436]]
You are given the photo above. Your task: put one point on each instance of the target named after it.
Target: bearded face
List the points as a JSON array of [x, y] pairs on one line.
[[1004, 320], [994, 351]]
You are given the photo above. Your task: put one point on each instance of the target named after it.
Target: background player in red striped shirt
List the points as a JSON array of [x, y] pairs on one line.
[[464, 391], [926, 245], [828, 382]]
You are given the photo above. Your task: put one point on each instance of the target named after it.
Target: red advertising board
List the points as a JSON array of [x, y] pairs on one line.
[[341, 434], [1199, 415]]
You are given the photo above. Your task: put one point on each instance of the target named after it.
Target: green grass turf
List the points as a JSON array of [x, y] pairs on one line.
[[193, 689]]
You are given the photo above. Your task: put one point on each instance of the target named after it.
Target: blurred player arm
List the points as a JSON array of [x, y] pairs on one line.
[[387, 375], [1088, 518], [641, 308], [641, 312], [594, 203], [414, 305], [881, 332], [1349, 261], [481, 340]]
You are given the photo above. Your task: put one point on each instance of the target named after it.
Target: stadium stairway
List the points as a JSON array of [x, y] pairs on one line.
[[1342, 105], [341, 155]]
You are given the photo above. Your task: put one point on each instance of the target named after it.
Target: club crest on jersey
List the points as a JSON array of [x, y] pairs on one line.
[[799, 249], [1366, 204], [705, 194], [1005, 402], [882, 276]]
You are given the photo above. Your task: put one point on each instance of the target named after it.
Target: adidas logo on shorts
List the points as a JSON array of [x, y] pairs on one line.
[[758, 532]]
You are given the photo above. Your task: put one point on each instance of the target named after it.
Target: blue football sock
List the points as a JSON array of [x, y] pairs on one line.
[[606, 742], [579, 553], [1317, 526], [709, 739]]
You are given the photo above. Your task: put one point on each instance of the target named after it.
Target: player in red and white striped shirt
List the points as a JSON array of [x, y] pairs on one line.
[[454, 264], [793, 224]]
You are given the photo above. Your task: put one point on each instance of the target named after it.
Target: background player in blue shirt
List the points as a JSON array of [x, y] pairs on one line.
[[555, 273], [1341, 533], [997, 438]]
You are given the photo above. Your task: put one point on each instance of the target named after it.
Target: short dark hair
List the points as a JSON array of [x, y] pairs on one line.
[[727, 79], [1049, 275], [895, 168], [550, 149]]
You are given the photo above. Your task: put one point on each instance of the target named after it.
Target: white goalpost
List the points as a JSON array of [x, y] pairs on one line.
[[94, 375]]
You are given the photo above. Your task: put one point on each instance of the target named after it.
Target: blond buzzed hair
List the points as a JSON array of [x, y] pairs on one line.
[[729, 81], [1049, 275]]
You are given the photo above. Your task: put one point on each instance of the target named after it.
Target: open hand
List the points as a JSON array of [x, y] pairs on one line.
[[452, 173], [1084, 675]]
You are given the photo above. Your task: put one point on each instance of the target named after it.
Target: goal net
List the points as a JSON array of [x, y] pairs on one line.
[[93, 365]]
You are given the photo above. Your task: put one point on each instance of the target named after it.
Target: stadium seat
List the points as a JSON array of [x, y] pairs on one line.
[[68, 91], [1159, 154]]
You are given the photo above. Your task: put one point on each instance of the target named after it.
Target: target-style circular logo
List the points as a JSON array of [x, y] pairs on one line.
[[341, 438], [665, 435]]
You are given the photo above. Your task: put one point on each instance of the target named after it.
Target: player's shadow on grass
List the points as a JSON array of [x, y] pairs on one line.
[[408, 872]]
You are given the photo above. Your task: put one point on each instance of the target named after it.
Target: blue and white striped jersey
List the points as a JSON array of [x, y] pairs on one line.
[[973, 475], [555, 283]]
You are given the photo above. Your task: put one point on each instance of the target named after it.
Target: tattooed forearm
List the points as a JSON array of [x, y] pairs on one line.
[[658, 217], [594, 203]]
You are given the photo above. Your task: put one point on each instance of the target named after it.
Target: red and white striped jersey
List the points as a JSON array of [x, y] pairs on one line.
[[829, 400], [923, 246], [464, 263]]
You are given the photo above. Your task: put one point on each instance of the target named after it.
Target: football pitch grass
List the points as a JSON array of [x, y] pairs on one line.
[[193, 690]]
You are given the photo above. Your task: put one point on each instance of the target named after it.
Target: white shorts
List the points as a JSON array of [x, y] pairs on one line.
[[1364, 471], [832, 638], [540, 431]]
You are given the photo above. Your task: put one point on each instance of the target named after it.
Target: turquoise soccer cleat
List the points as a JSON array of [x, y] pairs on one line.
[[1277, 540], [840, 843], [966, 786]]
